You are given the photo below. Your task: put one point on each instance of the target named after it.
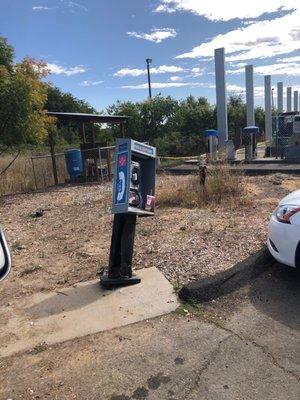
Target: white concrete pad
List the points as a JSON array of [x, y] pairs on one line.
[[82, 309]]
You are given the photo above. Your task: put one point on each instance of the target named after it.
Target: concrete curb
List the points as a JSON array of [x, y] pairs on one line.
[[225, 282]]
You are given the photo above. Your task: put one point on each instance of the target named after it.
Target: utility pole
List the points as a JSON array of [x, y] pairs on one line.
[[149, 61]]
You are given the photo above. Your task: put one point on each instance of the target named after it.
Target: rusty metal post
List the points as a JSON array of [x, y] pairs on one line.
[[54, 167], [202, 174], [108, 165], [122, 130], [33, 169], [100, 162]]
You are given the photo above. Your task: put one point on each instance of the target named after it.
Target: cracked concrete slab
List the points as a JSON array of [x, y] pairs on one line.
[[168, 358], [249, 351], [81, 310]]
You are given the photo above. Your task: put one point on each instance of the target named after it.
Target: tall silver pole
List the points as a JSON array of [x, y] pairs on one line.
[[289, 99], [221, 97], [268, 111], [280, 97], [249, 95], [296, 100]]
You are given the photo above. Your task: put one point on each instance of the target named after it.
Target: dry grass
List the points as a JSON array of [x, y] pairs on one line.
[[221, 187], [20, 176]]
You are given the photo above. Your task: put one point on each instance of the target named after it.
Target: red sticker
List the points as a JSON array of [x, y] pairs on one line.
[[122, 161]]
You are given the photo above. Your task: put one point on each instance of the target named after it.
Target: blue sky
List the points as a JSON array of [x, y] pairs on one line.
[[96, 49]]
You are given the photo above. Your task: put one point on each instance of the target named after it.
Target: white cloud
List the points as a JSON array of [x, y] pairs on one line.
[[71, 5], [295, 59], [216, 10], [159, 85], [90, 83], [197, 71], [290, 69], [42, 8], [231, 88], [162, 85], [260, 40], [156, 35], [60, 70], [162, 69], [130, 72], [176, 78]]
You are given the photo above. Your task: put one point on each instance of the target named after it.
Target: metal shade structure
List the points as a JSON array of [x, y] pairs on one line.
[[82, 119], [89, 118]]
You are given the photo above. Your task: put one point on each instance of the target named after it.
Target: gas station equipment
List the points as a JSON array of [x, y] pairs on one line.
[[211, 136], [250, 134], [285, 141], [133, 195]]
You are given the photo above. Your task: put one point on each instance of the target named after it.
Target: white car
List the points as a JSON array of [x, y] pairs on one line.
[[5, 258], [284, 231]]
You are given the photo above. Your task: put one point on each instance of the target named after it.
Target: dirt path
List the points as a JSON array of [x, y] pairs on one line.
[[70, 243]]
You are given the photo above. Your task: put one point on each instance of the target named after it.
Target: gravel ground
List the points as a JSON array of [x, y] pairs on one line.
[[70, 243]]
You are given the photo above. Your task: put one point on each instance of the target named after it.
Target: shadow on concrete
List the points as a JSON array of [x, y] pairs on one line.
[[227, 281], [67, 300], [276, 293]]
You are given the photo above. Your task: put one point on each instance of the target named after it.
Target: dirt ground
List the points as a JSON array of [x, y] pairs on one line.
[[70, 243]]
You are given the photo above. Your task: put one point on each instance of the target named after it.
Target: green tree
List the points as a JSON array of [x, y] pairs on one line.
[[65, 102], [6, 54], [148, 119], [22, 98], [236, 109]]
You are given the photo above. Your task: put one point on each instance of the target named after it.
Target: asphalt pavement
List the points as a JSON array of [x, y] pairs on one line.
[[243, 345]]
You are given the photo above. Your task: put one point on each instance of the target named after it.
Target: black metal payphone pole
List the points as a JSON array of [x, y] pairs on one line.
[[121, 252]]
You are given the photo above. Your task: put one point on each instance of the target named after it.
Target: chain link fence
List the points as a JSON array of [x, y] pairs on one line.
[[28, 173]]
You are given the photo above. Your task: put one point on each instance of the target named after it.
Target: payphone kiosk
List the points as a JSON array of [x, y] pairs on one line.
[[250, 134], [133, 195]]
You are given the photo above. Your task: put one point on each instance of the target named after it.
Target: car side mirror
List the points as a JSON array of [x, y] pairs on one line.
[[5, 258]]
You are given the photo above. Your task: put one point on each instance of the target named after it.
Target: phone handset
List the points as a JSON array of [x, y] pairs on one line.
[[122, 184]]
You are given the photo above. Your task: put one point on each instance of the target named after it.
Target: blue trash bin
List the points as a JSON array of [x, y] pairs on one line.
[[74, 163]]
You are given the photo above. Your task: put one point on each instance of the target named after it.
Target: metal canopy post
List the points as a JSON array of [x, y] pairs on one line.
[[122, 128], [54, 168]]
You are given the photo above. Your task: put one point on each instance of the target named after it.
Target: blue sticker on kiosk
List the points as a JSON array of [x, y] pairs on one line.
[[121, 178]]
